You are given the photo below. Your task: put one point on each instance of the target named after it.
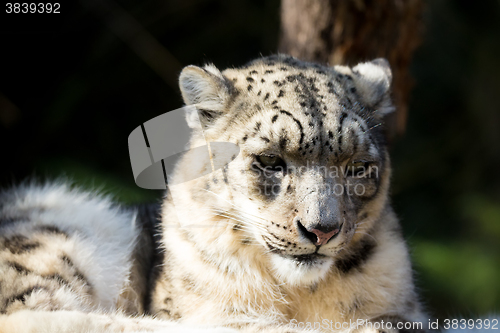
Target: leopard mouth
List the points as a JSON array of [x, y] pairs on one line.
[[308, 259]]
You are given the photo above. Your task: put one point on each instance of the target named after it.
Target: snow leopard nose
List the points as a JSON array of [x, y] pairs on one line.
[[319, 234]]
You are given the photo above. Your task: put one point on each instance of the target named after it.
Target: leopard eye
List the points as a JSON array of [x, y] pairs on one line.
[[271, 162], [357, 168]]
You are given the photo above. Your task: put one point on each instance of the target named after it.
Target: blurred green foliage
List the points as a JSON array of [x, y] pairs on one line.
[[446, 186], [69, 99]]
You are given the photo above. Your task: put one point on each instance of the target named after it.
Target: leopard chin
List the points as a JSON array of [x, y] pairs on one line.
[[301, 270]]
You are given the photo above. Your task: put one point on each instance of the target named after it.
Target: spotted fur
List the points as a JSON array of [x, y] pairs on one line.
[[243, 248], [253, 261]]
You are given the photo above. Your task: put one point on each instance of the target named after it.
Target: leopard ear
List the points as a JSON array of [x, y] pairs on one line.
[[207, 88], [373, 82]]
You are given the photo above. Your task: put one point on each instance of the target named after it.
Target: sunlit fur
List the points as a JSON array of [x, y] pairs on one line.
[[235, 256], [220, 268]]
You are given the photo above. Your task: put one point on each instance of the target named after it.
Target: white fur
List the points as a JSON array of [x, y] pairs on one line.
[[103, 235], [202, 87], [289, 271], [27, 321], [374, 83]]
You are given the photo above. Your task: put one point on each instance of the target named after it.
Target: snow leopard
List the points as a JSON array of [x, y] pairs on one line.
[[295, 234]]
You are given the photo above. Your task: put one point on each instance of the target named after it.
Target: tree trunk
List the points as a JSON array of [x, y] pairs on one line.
[[352, 31]]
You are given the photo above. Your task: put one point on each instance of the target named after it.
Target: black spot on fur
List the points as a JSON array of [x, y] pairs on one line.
[[283, 141], [281, 93], [278, 238], [48, 229], [353, 90], [264, 138], [22, 296], [253, 72], [249, 79], [77, 273], [268, 71], [357, 256], [249, 88], [299, 124], [266, 97], [262, 80], [58, 278], [343, 116], [19, 268], [166, 311], [224, 174], [19, 244], [274, 118], [271, 247], [209, 115]]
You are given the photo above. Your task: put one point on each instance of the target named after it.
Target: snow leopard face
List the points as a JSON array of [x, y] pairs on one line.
[[312, 174]]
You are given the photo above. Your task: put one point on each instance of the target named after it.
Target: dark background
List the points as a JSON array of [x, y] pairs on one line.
[[73, 87]]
